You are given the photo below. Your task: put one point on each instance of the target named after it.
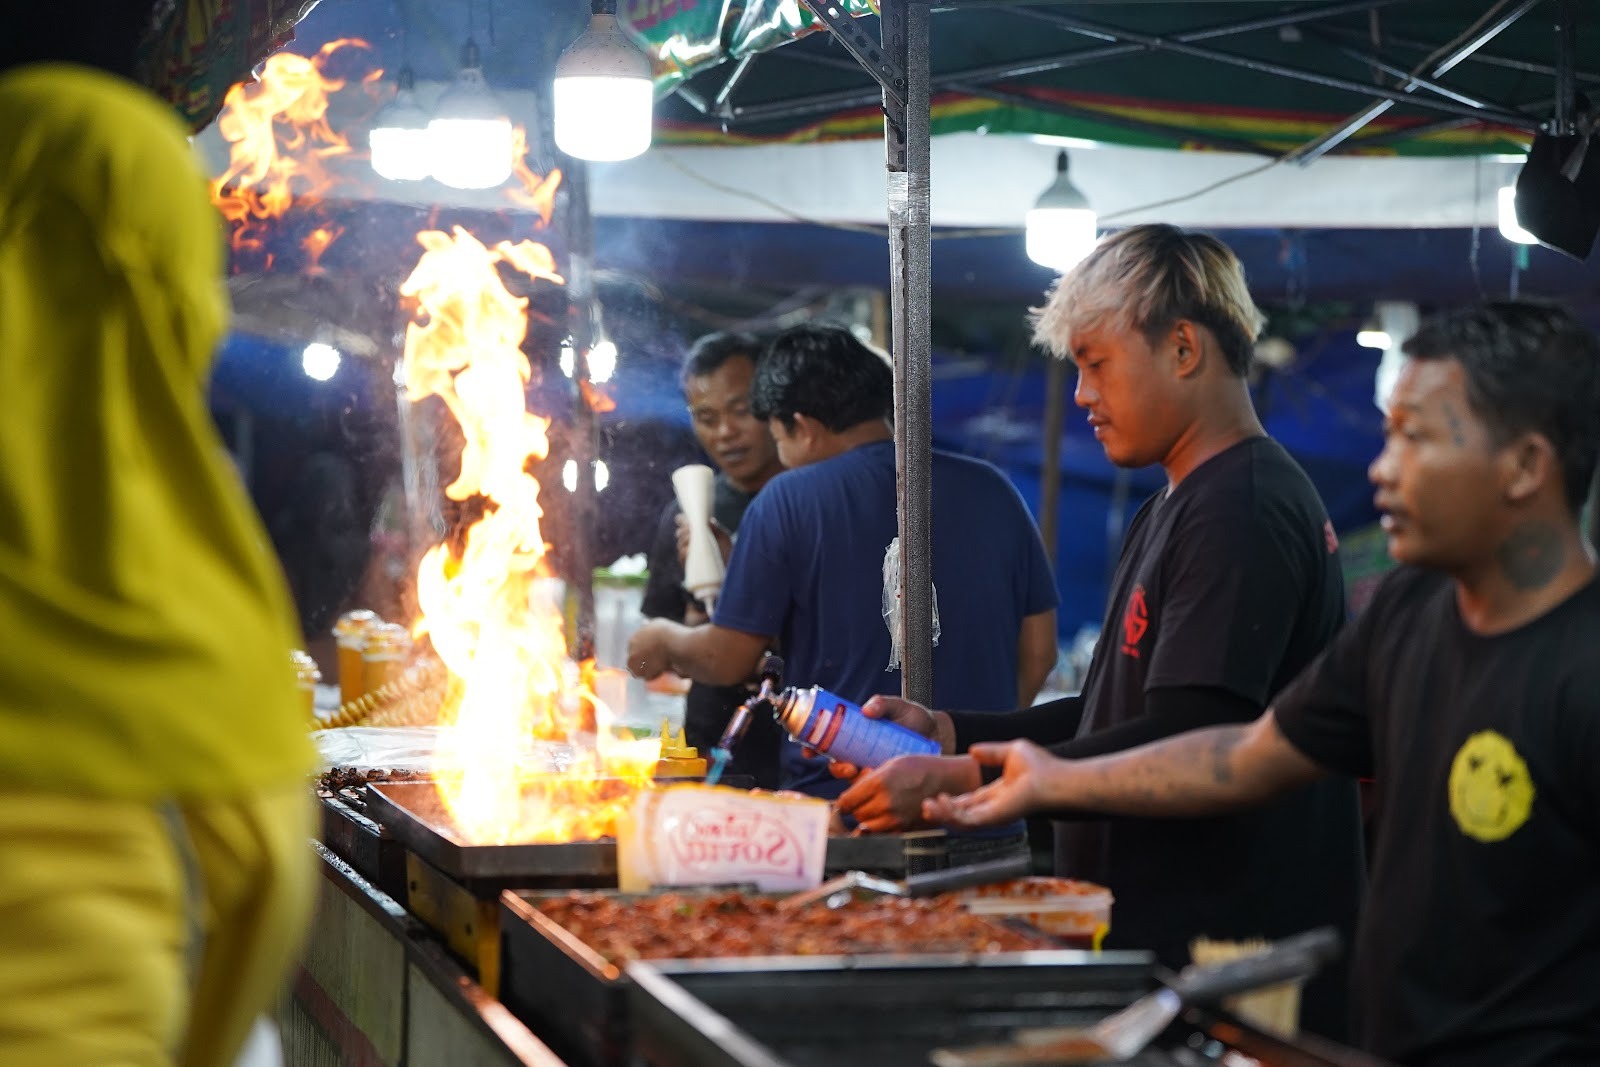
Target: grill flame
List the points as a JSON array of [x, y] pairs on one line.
[[486, 601], [278, 141]]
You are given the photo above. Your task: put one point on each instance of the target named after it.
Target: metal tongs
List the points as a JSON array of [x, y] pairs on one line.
[[1124, 1035], [838, 891]]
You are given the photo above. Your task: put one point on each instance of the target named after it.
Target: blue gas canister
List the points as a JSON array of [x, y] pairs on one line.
[[840, 730]]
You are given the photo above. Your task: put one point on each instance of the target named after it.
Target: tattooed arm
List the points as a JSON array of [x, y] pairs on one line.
[[1198, 773]]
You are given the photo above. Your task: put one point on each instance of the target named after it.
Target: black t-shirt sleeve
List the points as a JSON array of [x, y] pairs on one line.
[[1232, 586], [1323, 712], [664, 595], [1577, 724], [1168, 713], [1045, 724]]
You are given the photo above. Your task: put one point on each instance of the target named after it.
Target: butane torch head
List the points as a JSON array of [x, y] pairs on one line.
[[737, 725]]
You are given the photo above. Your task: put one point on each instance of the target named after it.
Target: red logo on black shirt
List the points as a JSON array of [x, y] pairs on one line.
[[1330, 537], [1135, 621]]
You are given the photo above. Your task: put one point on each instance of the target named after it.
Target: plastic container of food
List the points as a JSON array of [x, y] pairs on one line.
[[1078, 912]]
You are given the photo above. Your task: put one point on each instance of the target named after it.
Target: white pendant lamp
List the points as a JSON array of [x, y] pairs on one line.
[[1510, 228], [1061, 227], [470, 137], [399, 137], [603, 93]]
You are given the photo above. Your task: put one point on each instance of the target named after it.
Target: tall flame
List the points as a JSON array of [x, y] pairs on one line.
[[278, 138], [486, 604]]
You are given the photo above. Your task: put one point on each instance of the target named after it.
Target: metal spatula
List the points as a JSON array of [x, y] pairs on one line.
[[916, 885], [1125, 1034]]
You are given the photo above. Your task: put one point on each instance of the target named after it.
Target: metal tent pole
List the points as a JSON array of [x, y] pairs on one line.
[[905, 37], [1057, 382], [581, 322]]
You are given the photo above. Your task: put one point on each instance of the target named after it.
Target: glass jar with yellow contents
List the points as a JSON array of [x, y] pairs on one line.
[[350, 632], [384, 655], [307, 675]]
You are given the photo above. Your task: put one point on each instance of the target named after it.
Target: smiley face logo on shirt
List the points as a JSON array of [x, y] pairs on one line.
[[1491, 792]]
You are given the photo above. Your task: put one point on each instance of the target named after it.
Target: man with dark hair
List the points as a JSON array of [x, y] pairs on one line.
[[1228, 584], [716, 383], [1469, 689], [807, 570]]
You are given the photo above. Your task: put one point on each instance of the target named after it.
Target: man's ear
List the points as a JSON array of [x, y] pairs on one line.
[[805, 429], [1187, 339], [1528, 464]]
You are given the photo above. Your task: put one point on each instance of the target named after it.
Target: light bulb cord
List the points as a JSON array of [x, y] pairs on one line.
[[602, 7]]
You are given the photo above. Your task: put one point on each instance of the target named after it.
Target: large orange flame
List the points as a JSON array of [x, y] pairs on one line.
[[487, 605], [278, 136]]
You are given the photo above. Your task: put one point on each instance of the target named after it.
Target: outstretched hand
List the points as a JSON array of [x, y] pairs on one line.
[[1017, 792], [890, 798]]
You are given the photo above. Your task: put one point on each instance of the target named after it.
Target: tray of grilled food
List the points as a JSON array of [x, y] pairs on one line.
[[565, 958]]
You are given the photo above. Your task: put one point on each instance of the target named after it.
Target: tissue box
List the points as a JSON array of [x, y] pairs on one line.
[[691, 834]]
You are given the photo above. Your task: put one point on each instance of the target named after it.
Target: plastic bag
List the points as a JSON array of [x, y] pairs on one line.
[[891, 603]]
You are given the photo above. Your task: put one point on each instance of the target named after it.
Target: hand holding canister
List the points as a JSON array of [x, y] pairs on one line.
[[702, 568]]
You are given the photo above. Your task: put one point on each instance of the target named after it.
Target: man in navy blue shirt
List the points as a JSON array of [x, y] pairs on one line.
[[806, 573]]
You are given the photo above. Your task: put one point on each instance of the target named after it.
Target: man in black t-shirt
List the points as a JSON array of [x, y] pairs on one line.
[[716, 383], [1469, 688], [1227, 586]]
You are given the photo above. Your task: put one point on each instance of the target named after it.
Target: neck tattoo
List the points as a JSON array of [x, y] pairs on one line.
[[1532, 556]]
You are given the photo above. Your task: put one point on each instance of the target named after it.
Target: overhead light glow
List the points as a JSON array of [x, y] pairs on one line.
[[1510, 229], [399, 137], [603, 93], [1372, 337], [470, 137], [602, 361], [569, 358], [320, 361], [569, 475], [1061, 227]]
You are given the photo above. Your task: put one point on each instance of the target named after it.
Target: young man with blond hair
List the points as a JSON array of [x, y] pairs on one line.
[[1227, 586], [1468, 688]]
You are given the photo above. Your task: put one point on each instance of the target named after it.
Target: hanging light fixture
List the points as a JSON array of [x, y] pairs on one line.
[[603, 92], [1061, 226], [1373, 335], [1510, 228], [470, 136], [399, 137]]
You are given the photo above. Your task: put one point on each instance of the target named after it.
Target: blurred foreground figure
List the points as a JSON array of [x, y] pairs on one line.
[[154, 874]]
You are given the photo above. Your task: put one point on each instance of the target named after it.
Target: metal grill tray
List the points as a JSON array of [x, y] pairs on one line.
[[579, 1004], [890, 1012], [413, 815], [411, 811]]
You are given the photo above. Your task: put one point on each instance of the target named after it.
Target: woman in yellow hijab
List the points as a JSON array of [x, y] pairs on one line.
[[154, 871]]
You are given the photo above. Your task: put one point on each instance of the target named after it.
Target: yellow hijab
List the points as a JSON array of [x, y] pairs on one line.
[[144, 624]]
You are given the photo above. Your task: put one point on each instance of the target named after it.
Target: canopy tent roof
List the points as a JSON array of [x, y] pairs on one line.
[[1262, 76]]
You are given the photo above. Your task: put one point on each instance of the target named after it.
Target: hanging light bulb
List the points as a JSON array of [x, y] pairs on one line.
[[603, 92], [399, 136], [602, 361], [1061, 226], [470, 136], [1510, 229], [1373, 335]]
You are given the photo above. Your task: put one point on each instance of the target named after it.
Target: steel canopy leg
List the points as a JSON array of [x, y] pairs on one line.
[[906, 135]]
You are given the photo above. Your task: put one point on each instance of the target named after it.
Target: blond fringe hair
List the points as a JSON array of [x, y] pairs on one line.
[[1147, 278]]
